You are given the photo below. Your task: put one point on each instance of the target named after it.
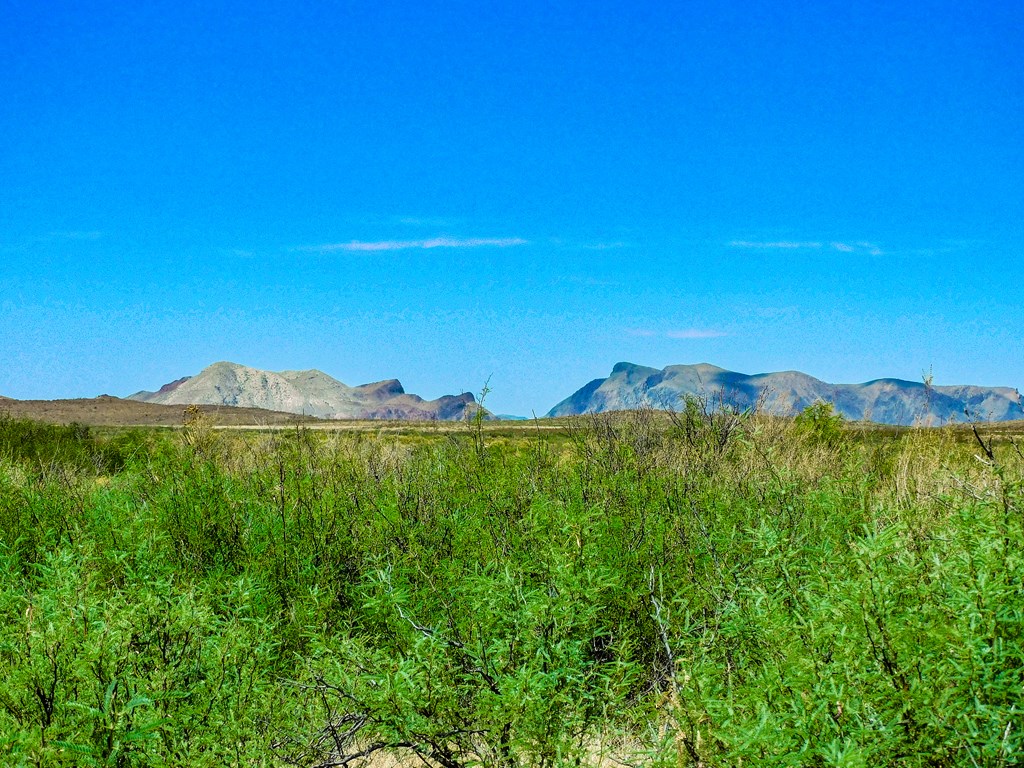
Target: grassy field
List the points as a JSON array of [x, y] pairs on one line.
[[691, 589]]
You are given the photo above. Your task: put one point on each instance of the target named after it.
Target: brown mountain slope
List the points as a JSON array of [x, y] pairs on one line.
[[113, 411]]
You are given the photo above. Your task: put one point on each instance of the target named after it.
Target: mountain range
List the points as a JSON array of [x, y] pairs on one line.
[[885, 401], [312, 393], [238, 394]]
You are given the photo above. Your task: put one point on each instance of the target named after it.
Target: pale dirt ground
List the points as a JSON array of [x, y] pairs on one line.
[[601, 756]]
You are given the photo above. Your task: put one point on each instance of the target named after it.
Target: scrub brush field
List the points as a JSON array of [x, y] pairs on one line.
[[702, 588]]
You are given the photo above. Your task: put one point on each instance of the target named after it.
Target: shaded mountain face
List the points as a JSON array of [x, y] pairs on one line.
[[885, 401], [312, 393]]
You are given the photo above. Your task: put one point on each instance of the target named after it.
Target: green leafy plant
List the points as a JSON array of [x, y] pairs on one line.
[[707, 588], [820, 422], [117, 729]]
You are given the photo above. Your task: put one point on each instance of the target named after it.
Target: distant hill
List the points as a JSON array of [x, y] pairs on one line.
[[311, 393], [885, 401], [114, 411]]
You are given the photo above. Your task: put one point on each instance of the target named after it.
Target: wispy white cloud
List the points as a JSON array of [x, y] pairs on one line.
[[784, 244], [604, 246], [856, 247], [435, 242], [682, 333], [871, 248], [573, 244], [859, 247]]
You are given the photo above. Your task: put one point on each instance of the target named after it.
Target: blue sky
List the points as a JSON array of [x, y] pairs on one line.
[[531, 192]]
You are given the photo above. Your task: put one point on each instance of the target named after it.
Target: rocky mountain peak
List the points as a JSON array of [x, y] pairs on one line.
[[308, 392], [887, 401]]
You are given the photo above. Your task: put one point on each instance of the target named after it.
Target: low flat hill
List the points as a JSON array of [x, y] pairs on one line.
[[114, 411]]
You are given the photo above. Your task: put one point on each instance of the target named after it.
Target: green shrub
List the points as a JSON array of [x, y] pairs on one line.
[[54, 447], [821, 423], [793, 593]]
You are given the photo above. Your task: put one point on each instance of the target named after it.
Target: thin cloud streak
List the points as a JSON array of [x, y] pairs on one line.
[[435, 242], [873, 249], [784, 244], [791, 245], [859, 247], [604, 246]]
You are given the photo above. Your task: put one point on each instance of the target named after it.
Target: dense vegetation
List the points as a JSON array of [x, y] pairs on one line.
[[700, 589]]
